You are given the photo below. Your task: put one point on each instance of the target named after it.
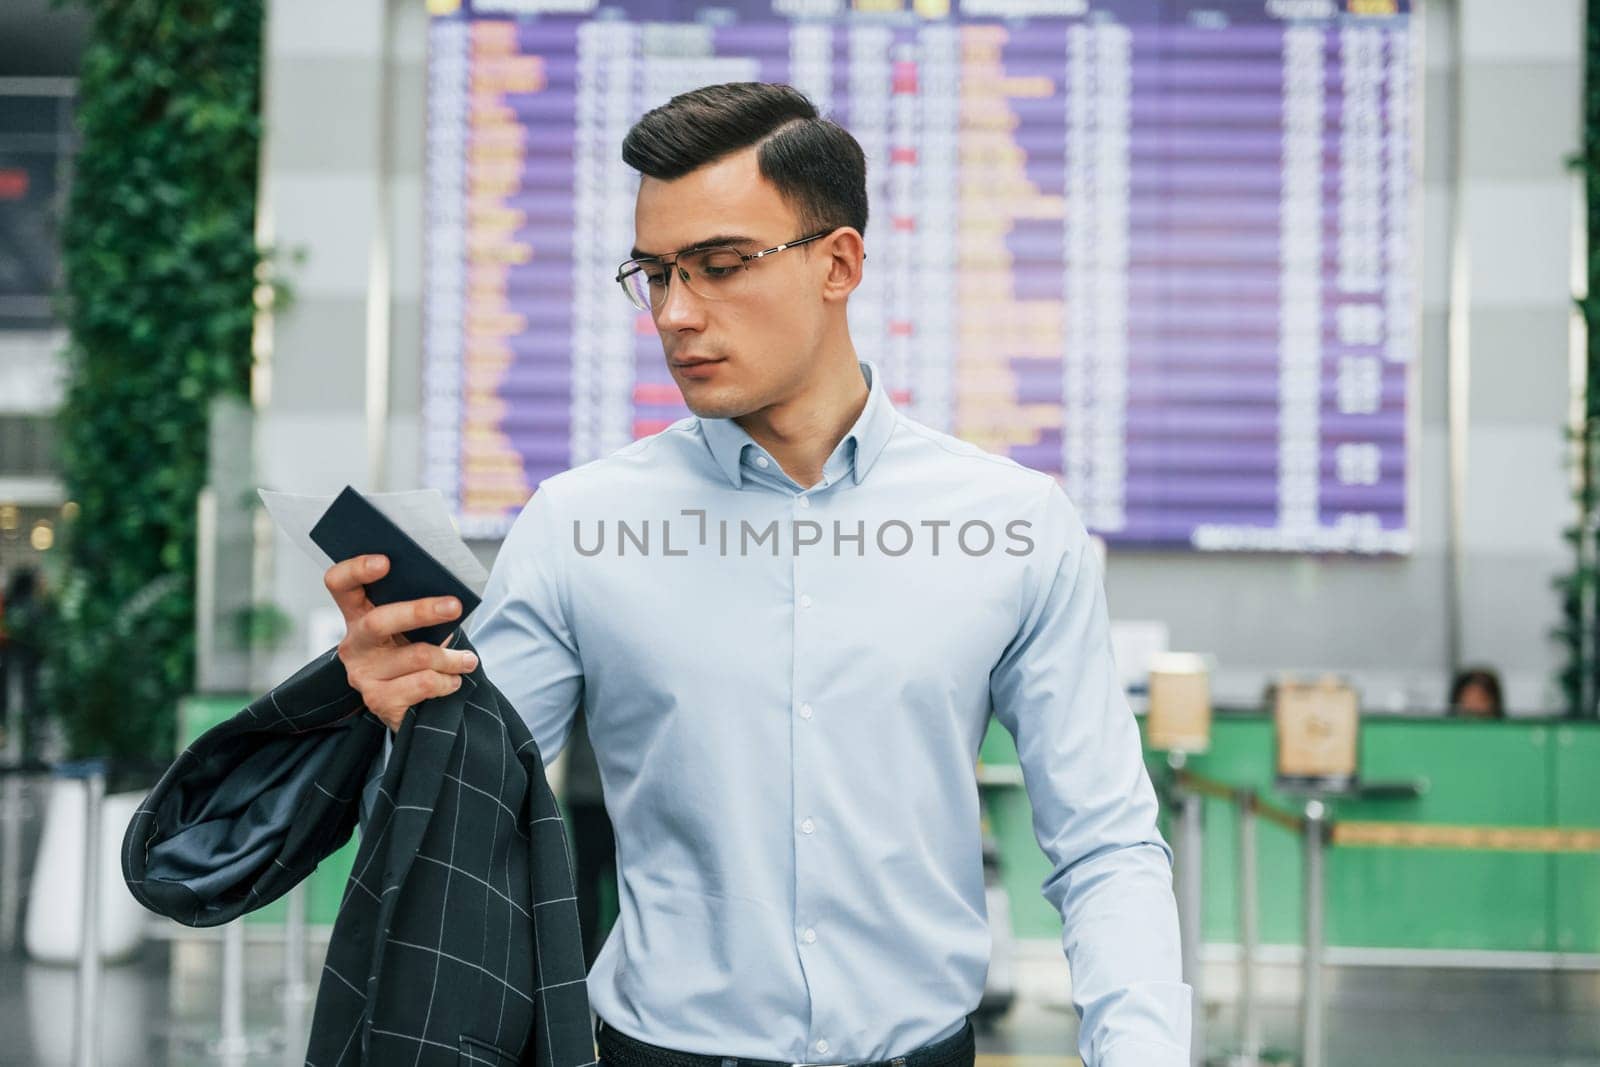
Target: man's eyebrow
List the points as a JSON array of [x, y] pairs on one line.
[[715, 239]]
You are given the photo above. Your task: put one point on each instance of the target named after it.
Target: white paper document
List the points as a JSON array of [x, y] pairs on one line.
[[421, 513]]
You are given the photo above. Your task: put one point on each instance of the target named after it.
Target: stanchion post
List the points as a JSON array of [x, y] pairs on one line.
[[1190, 886], [294, 946], [11, 821], [232, 1043], [1312, 1007], [1249, 929], [86, 1051], [297, 992], [10, 860]]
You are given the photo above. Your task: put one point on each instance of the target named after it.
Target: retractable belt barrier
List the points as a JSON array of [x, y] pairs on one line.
[[1318, 831]]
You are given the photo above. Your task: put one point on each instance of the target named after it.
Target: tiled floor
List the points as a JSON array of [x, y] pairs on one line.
[[163, 1010]]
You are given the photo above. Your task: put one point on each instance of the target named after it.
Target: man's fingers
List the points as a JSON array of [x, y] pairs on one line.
[[425, 685], [426, 657], [347, 579], [408, 692], [390, 672], [400, 662], [392, 620]]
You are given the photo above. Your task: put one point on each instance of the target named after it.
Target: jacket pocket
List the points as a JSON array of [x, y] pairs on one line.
[[476, 1053]]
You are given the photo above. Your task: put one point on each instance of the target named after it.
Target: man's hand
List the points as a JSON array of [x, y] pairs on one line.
[[391, 673]]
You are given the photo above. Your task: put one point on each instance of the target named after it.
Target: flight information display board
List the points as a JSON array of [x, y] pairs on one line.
[[1162, 250]]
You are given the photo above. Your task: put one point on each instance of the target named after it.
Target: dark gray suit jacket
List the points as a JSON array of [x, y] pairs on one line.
[[457, 938]]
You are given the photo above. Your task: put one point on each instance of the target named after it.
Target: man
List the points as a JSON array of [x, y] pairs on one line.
[[788, 619]]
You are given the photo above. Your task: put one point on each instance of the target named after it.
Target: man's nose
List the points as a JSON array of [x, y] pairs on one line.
[[679, 307]]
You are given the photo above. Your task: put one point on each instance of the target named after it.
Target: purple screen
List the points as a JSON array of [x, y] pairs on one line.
[[1164, 251]]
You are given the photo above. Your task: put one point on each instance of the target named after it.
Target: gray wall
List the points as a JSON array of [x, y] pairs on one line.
[[329, 185], [338, 73], [1523, 223]]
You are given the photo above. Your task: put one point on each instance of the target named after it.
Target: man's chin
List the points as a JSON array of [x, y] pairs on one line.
[[705, 406]]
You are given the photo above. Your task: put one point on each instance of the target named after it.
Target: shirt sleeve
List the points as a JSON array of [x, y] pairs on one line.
[[520, 629], [1056, 689]]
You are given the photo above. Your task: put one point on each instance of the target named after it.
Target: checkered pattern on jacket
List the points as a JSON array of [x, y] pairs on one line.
[[457, 938]]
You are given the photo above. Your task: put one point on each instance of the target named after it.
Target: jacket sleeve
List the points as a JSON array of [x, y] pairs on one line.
[[256, 803]]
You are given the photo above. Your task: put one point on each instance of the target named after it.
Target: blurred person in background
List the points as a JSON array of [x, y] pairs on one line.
[[1475, 694], [23, 633]]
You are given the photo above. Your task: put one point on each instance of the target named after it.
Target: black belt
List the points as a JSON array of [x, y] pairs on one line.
[[619, 1050]]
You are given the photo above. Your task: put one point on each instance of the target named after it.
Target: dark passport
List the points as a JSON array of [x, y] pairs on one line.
[[353, 527]]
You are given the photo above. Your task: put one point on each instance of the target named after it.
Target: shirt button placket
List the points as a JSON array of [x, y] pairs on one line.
[[809, 658]]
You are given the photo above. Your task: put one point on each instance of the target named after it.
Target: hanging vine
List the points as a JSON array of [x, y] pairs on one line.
[[161, 271]]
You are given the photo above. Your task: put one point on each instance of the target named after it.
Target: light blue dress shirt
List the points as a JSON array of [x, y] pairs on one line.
[[786, 687]]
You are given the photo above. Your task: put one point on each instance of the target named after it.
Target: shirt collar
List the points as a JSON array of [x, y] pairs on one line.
[[859, 448]]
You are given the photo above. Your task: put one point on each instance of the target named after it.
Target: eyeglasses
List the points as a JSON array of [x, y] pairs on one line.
[[718, 272]]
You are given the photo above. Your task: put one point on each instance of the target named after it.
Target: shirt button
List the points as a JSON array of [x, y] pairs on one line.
[[805, 601], [809, 937], [807, 826], [761, 461], [805, 501], [822, 1046], [805, 711]]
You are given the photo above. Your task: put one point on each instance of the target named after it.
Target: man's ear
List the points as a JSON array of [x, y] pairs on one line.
[[844, 251]]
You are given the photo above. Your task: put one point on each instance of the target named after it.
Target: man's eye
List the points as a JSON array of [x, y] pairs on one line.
[[721, 263]]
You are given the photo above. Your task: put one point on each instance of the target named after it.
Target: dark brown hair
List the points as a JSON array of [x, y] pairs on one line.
[[815, 163], [1481, 676]]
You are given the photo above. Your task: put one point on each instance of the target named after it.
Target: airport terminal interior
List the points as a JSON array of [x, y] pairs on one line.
[[1289, 297]]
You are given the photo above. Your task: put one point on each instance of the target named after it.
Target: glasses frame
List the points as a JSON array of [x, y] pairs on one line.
[[634, 266]]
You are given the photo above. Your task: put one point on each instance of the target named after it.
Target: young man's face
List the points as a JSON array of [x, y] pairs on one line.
[[763, 339]]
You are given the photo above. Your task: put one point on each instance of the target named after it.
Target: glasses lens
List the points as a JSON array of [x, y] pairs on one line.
[[714, 273], [637, 284]]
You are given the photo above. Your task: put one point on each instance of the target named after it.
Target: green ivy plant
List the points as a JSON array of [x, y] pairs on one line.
[[162, 276], [1579, 629]]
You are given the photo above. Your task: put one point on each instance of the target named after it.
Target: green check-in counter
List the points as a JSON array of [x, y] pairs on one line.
[[1521, 773], [1517, 773]]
